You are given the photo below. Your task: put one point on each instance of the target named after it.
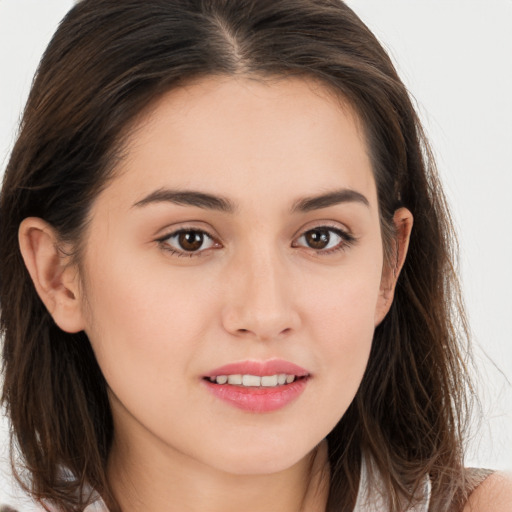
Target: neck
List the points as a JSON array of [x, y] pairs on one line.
[[154, 480]]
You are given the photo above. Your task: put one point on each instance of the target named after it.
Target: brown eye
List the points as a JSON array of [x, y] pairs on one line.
[[187, 241], [317, 238], [190, 240], [325, 239]]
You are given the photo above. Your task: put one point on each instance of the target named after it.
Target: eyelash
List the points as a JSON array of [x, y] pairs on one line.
[[347, 240], [164, 242]]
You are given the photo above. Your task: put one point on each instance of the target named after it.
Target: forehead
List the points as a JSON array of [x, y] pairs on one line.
[[244, 137]]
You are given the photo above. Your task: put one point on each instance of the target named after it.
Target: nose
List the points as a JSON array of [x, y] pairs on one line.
[[261, 299]]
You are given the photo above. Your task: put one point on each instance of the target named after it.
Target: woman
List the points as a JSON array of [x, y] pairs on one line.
[[213, 295]]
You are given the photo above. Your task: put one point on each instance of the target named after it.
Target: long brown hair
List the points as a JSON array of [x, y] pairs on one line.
[[107, 62]]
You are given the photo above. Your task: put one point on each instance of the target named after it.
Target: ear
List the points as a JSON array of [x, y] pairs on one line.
[[403, 221], [55, 279]]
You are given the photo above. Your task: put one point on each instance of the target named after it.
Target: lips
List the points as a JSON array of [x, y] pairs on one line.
[[259, 368], [257, 386]]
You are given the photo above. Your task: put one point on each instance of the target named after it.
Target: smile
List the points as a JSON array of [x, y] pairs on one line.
[[269, 381], [258, 386]]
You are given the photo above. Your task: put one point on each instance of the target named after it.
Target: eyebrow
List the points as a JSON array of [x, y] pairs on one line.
[[219, 203], [188, 198], [318, 202]]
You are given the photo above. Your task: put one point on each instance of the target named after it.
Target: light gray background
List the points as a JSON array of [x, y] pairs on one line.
[[456, 58]]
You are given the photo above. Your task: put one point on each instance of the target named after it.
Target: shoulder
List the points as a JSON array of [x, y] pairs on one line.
[[494, 494]]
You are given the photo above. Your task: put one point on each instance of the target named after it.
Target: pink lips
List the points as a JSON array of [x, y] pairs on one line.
[[260, 368], [258, 399]]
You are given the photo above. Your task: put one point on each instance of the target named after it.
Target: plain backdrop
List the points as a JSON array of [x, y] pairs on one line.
[[455, 56]]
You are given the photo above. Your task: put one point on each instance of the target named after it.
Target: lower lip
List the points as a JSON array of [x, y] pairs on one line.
[[258, 399]]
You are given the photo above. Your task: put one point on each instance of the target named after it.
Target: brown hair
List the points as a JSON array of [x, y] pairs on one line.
[[107, 62]]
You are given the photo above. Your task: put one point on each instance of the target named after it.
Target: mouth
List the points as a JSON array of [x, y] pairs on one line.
[[258, 386], [255, 381]]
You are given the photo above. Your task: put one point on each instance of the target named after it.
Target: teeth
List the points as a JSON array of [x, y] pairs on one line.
[[267, 381], [251, 380], [235, 379], [270, 380]]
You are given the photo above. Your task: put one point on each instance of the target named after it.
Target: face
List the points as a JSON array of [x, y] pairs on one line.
[[242, 229]]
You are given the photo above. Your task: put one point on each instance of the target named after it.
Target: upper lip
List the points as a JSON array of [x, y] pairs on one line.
[[260, 368]]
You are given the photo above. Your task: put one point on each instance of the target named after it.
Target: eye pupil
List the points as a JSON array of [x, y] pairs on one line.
[[317, 238], [190, 240]]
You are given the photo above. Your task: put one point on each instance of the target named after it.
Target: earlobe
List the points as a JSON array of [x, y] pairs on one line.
[[55, 280], [403, 221]]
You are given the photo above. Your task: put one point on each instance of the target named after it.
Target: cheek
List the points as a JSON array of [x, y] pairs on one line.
[[341, 320], [138, 316], [344, 303], [346, 332]]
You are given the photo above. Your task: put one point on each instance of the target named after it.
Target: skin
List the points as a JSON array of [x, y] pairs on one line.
[[493, 495], [256, 290]]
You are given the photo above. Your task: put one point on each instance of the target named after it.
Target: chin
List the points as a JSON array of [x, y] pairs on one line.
[[262, 459]]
